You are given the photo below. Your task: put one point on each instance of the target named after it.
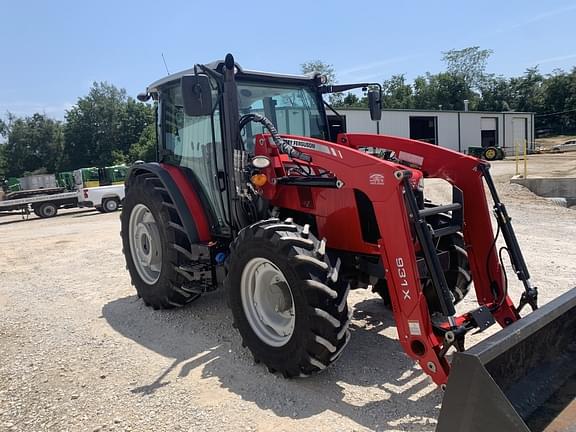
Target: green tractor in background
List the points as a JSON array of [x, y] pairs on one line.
[[105, 176], [487, 153]]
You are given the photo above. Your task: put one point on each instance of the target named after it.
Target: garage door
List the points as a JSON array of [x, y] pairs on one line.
[[519, 131]]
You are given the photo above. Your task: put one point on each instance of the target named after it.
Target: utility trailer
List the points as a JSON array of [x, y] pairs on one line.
[[43, 202]]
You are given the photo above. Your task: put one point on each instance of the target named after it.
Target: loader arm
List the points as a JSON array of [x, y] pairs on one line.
[[384, 183], [466, 173]]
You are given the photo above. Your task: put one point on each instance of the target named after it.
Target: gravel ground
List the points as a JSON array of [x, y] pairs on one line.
[[79, 351]]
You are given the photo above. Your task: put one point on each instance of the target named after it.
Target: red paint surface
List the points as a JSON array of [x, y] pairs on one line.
[[338, 221], [192, 201]]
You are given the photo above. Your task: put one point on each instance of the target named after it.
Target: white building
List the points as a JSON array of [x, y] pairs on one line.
[[457, 130]]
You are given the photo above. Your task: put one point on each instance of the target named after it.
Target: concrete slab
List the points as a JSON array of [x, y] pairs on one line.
[[559, 187]]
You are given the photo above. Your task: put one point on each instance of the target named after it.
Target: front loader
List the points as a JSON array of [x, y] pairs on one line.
[[253, 194]]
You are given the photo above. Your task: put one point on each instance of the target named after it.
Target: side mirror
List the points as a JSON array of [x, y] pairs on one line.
[[196, 95], [375, 104]]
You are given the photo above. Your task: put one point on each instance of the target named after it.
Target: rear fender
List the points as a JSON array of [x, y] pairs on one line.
[[113, 196], [185, 199]]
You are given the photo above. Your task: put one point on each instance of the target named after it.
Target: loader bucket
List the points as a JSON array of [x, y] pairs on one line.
[[521, 379]]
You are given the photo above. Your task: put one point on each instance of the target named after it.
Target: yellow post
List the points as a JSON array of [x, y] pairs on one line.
[[525, 158], [516, 155]]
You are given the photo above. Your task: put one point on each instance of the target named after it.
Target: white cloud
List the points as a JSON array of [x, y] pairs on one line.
[[27, 108], [553, 59], [540, 17], [371, 70]]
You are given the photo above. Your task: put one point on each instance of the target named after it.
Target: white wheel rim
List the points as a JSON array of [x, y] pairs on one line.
[[268, 302], [111, 205], [145, 244]]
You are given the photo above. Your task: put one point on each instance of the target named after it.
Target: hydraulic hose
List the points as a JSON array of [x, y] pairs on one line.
[[283, 146]]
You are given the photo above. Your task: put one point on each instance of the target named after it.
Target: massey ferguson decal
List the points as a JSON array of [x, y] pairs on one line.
[[314, 146], [376, 179]]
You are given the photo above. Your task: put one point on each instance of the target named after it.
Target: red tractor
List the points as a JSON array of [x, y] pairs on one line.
[[253, 193]]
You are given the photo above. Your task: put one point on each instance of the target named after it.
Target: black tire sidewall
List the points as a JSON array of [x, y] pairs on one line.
[[42, 210], [158, 291], [294, 348]]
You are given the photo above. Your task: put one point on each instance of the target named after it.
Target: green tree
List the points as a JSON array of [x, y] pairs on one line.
[[559, 102], [351, 100], [103, 125], [3, 135], [442, 91], [497, 94], [145, 148], [3, 163], [34, 144], [396, 93], [528, 91], [469, 63], [3, 129]]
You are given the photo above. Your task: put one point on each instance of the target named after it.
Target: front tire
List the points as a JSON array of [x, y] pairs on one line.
[[287, 299], [155, 245]]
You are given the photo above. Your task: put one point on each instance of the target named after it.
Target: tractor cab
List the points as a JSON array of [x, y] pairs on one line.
[[200, 127]]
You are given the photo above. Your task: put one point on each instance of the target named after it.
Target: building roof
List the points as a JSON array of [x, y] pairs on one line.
[[434, 111]]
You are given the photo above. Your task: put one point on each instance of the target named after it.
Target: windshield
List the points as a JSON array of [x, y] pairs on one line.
[[293, 110]]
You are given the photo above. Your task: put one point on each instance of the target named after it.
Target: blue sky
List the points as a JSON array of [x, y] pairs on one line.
[[53, 51]]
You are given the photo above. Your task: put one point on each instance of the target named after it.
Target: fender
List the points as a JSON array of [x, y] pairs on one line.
[[185, 199]]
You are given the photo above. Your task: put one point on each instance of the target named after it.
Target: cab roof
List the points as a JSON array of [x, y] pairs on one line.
[[241, 74]]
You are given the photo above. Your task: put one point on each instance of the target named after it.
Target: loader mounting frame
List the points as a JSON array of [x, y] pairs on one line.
[[403, 229]]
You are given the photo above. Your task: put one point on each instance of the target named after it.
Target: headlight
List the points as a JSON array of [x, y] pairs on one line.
[[260, 162]]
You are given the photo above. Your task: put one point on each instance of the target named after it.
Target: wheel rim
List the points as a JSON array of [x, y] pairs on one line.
[[49, 211], [268, 302], [490, 153], [145, 244], [111, 205]]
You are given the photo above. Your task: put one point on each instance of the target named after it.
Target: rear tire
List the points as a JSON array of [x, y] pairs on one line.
[[287, 299], [109, 205], [457, 276], [47, 210], [157, 263]]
